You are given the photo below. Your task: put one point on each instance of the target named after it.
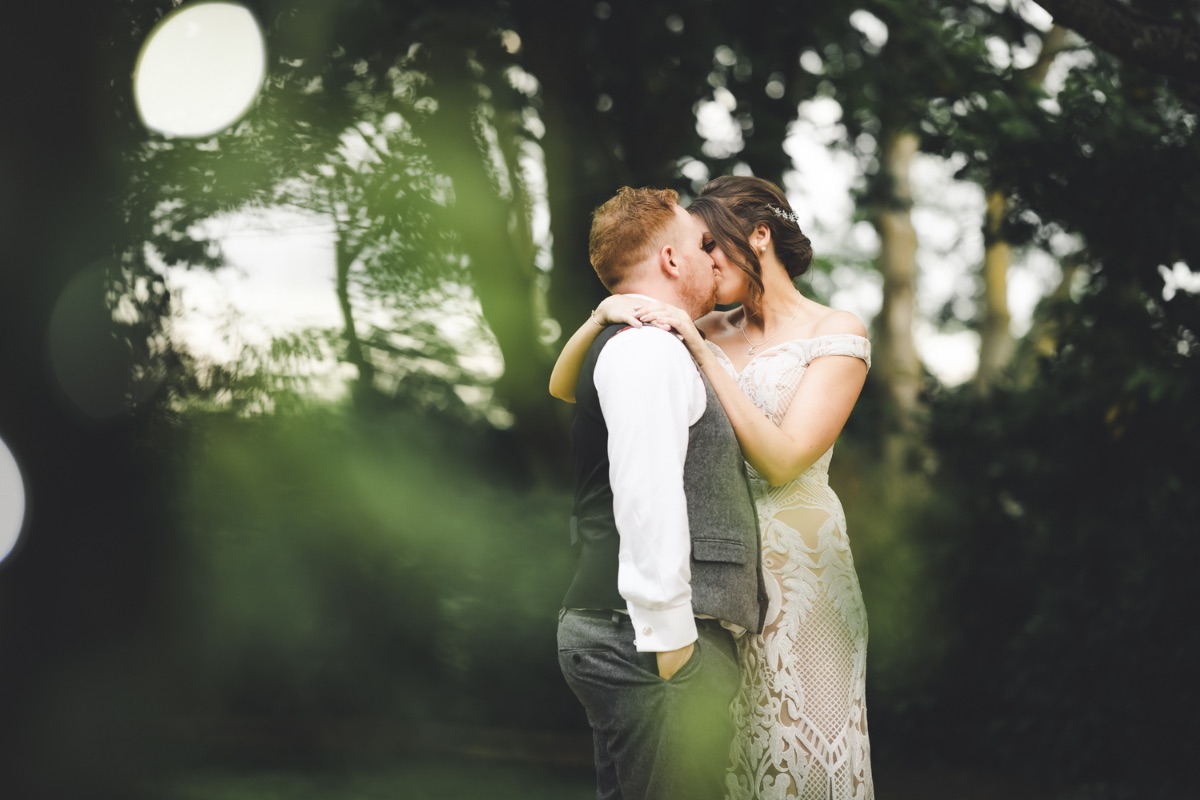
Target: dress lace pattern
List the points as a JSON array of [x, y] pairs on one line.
[[801, 712]]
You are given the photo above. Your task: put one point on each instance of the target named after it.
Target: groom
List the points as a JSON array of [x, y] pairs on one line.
[[669, 554]]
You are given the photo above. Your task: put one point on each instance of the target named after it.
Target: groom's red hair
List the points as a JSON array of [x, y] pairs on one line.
[[626, 229]]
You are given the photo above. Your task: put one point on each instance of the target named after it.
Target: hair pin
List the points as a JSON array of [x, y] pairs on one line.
[[788, 215]]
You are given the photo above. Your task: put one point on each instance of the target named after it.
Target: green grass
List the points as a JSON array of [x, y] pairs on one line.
[[446, 778], [463, 779]]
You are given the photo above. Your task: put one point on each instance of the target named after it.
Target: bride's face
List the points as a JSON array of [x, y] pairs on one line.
[[732, 283]]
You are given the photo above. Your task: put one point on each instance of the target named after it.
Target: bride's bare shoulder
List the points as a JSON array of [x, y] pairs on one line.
[[836, 322]]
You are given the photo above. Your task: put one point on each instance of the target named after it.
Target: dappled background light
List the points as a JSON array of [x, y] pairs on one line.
[[12, 501], [200, 70]]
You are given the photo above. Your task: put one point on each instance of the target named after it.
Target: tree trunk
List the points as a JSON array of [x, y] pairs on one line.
[[897, 366], [995, 341], [364, 384], [580, 172], [586, 156], [502, 270], [996, 345]]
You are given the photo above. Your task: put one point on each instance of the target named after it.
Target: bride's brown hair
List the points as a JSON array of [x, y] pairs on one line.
[[726, 231], [748, 203]]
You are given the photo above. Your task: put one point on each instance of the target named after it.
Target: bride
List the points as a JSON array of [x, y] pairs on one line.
[[788, 372]]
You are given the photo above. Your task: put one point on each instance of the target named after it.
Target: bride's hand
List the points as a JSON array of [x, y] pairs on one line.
[[670, 318], [622, 309]]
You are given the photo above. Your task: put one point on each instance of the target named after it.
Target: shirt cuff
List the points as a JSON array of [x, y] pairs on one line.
[[662, 630]]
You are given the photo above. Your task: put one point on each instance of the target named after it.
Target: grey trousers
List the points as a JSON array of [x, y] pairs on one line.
[[654, 739]]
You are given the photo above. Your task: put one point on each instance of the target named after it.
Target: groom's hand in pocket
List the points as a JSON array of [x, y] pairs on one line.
[[671, 661]]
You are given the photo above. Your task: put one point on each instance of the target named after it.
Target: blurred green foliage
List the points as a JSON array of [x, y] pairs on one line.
[[1064, 549], [347, 566]]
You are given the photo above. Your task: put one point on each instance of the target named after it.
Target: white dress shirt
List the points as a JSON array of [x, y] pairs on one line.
[[651, 393]]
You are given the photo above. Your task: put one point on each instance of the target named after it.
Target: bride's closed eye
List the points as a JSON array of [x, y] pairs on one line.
[[709, 245]]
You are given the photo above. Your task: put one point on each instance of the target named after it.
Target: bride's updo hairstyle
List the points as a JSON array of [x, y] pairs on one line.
[[752, 202]]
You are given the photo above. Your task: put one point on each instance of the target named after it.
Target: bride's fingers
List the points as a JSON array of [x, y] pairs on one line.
[[660, 319], [620, 309], [626, 317], [631, 319]]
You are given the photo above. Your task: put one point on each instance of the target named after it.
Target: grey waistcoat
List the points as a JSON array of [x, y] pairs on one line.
[[725, 564]]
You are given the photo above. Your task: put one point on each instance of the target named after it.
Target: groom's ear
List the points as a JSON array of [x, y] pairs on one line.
[[667, 262]]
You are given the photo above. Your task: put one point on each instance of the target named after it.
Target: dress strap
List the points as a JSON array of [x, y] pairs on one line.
[[842, 344]]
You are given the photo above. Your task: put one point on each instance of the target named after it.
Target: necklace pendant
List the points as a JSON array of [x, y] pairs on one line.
[[750, 352]]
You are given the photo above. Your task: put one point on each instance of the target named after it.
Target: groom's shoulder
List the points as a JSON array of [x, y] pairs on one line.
[[647, 345], [647, 339]]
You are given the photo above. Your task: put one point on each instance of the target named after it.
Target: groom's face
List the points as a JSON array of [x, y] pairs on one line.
[[697, 274]]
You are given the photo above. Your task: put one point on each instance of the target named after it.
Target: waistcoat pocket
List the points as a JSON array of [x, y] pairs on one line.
[[719, 550]]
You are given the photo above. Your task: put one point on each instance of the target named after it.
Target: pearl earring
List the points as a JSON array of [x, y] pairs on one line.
[[762, 248]]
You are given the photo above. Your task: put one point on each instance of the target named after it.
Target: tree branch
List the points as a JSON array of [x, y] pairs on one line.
[[1167, 47], [1054, 41]]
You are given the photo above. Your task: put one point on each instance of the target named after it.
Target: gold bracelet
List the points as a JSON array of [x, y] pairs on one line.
[[592, 317]]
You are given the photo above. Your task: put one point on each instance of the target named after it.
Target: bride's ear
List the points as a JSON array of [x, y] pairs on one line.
[[760, 238]]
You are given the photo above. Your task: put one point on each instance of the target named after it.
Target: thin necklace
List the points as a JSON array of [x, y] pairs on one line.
[[779, 330]]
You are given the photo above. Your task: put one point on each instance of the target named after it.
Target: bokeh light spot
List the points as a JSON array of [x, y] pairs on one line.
[[93, 368], [200, 69], [12, 501]]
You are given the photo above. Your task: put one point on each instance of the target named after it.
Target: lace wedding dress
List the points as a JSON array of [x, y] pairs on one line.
[[801, 712]]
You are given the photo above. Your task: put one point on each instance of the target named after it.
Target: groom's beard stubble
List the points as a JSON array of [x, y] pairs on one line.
[[701, 296]]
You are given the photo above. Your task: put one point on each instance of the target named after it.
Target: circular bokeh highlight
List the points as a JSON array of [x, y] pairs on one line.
[[200, 70], [12, 502]]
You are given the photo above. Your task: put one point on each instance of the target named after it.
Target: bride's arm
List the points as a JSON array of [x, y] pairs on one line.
[[814, 420], [818, 412], [614, 308]]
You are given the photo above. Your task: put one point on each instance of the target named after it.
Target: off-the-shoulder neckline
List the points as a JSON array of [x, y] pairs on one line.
[[779, 345]]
